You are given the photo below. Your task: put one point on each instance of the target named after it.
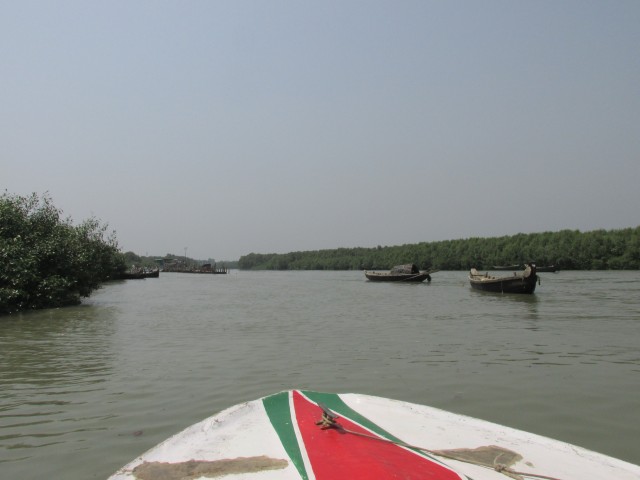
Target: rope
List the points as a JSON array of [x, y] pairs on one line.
[[329, 421]]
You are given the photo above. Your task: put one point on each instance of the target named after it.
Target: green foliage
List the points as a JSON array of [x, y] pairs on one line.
[[134, 260], [46, 260], [568, 249]]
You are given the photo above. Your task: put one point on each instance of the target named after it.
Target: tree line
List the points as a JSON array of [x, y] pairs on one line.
[[567, 249], [47, 261]]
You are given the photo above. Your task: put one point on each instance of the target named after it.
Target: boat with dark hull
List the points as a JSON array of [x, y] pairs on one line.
[[523, 282], [548, 268], [400, 273], [138, 274], [206, 268], [155, 273]]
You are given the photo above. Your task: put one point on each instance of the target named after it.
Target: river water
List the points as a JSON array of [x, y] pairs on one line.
[[85, 389]]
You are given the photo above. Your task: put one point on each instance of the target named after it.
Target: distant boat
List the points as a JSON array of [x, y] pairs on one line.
[[400, 273], [206, 268], [130, 276], [138, 274], [524, 282], [507, 267], [548, 268], [155, 273]]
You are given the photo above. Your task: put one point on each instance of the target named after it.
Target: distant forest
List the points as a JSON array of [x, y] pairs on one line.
[[134, 260], [567, 249]]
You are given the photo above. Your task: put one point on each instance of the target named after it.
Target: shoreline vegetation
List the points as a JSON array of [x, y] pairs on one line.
[[566, 249], [47, 261]]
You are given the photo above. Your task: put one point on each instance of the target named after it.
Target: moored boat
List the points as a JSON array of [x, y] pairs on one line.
[[305, 435], [400, 273], [548, 268], [523, 282], [205, 268], [507, 267], [137, 274]]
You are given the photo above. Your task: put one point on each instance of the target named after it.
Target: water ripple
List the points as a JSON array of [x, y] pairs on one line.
[[141, 360]]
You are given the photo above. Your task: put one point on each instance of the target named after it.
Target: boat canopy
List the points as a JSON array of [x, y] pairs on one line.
[[408, 268]]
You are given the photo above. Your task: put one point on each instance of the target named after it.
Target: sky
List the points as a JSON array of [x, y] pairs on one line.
[[223, 128]]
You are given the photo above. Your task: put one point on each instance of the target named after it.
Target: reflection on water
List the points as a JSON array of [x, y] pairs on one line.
[[140, 360]]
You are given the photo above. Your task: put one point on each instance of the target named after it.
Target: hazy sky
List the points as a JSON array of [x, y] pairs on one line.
[[231, 127]]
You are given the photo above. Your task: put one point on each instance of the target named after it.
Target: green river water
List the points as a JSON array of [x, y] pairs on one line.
[[85, 389]]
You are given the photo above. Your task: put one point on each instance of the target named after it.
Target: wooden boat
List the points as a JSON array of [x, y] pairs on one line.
[[400, 273], [524, 282], [547, 268], [140, 274], [155, 273], [205, 268], [130, 276], [507, 267], [305, 435]]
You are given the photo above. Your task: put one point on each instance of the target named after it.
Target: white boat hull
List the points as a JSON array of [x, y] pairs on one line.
[[259, 440]]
